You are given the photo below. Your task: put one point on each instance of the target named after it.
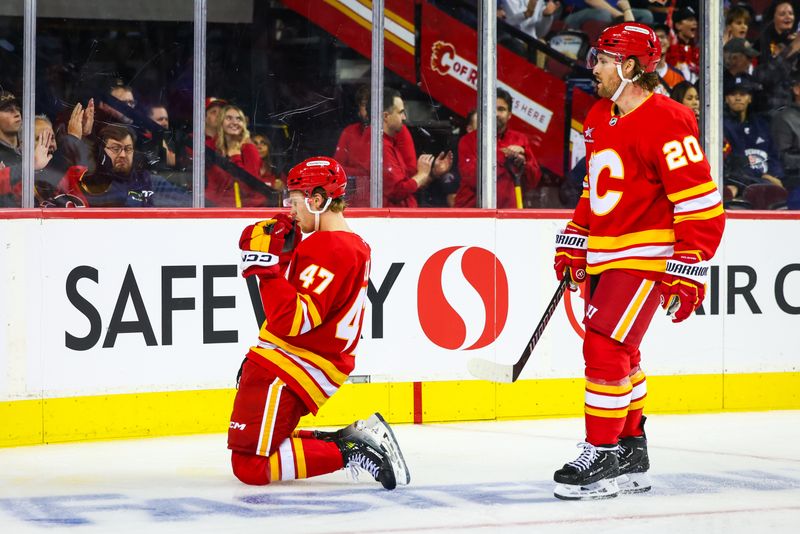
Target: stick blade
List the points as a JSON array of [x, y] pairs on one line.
[[493, 372]]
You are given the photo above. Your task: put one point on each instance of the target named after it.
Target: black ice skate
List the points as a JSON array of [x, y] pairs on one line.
[[633, 464], [377, 433], [593, 475], [358, 455]]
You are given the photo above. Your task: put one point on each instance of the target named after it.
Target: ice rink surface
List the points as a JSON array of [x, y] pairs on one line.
[[727, 472]]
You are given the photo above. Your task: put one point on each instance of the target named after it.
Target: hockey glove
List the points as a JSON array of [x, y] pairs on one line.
[[684, 285], [267, 246], [571, 254]]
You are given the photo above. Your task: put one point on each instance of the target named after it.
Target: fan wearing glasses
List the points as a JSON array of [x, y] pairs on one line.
[[115, 182]]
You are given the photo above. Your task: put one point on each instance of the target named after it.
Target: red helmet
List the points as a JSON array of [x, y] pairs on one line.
[[316, 172], [629, 39]]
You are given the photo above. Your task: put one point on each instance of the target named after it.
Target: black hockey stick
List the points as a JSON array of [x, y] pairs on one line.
[[498, 372]]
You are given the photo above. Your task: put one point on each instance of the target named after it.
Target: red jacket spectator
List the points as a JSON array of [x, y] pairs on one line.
[[468, 162]]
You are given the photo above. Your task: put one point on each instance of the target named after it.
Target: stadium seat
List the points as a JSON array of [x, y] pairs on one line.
[[593, 28], [765, 196]]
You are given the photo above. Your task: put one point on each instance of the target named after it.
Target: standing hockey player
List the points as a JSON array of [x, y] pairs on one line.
[[651, 218], [313, 291]]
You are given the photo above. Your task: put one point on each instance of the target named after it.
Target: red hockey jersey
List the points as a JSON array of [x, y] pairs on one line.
[[648, 190], [313, 317]]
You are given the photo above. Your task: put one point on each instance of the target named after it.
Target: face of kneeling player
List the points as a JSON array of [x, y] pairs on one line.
[[299, 210]]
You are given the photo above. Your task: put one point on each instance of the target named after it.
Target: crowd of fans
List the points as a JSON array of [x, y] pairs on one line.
[[114, 150]]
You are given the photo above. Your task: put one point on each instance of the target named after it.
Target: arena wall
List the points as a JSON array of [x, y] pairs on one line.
[[118, 323]]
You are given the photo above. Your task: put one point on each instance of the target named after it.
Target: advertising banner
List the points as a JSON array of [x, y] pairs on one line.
[[95, 307]]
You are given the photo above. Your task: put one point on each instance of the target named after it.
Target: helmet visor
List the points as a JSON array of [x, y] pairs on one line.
[[593, 57]]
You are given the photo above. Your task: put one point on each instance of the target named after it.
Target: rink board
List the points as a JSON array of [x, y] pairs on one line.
[[117, 323]]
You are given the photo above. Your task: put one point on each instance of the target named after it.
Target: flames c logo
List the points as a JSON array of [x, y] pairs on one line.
[[462, 298], [442, 55]]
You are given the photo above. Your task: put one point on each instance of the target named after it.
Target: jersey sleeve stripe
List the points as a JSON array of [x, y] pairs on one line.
[[697, 203], [647, 251], [691, 192], [632, 239], [316, 320], [701, 215], [297, 322]]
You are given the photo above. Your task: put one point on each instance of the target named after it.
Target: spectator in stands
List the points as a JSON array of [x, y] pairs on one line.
[[111, 107], [516, 164], [668, 76], [605, 11], [10, 127], [779, 29], [786, 136], [353, 150], [166, 149], [737, 57], [737, 24], [534, 17], [232, 144], [267, 172], [684, 54], [213, 107], [399, 184], [115, 182], [778, 59], [686, 93], [11, 172], [749, 135]]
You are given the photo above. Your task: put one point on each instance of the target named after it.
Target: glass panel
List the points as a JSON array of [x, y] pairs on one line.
[[436, 77], [114, 86], [761, 148], [11, 48], [292, 71]]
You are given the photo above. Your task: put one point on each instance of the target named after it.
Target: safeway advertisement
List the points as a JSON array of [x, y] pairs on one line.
[[161, 304]]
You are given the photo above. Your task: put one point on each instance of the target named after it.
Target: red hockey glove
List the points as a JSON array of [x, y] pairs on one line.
[[571, 254], [267, 246], [684, 285]]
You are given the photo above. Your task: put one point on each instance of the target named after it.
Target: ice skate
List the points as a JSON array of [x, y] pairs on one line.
[[593, 475], [633, 464], [376, 432], [358, 455]]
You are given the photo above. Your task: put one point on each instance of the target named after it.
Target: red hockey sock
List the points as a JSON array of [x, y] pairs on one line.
[[295, 458], [606, 408], [633, 423]]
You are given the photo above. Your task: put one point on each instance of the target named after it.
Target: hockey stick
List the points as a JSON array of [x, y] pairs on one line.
[[498, 372]]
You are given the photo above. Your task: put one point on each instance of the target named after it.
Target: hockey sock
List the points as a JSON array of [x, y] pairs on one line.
[[295, 458], [606, 408], [633, 423]]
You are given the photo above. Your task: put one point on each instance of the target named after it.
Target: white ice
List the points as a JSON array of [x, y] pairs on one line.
[[728, 472]]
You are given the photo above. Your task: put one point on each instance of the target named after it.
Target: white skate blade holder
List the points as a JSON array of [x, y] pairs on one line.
[[602, 489], [634, 483], [378, 434]]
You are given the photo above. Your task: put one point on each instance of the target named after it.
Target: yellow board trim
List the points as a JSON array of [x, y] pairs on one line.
[[29, 422]]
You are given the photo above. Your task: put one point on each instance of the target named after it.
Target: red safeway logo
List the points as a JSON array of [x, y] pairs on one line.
[[462, 298]]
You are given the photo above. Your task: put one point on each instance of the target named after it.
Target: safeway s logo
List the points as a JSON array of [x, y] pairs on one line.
[[462, 298], [442, 57]]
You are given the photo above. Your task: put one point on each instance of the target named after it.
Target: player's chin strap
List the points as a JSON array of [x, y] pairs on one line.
[[318, 212], [624, 81]]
